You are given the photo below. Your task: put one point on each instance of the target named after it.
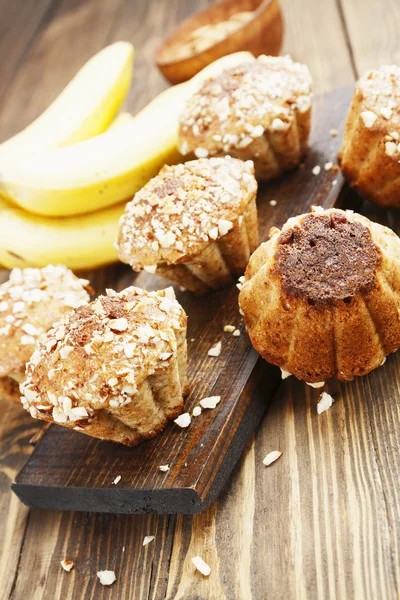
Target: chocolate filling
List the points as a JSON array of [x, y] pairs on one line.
[[326, 258]]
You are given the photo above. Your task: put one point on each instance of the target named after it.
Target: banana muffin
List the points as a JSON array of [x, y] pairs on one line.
[[259, 110], [195, 223], [114, 369], [30, 302], [370, 153], [321, 298]]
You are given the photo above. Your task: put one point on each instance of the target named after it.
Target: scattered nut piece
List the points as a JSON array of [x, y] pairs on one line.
[[196, 411], [334, 132], [272, 457], [325, 402], [273, 202], [285, 374], [215, 350], [236, 333], [164, 468], [210, 402], [116, 480], [201, 566], [148, 539], [317, 385], [150, 268], [106, 577], [328, 166], [183, 420], [229, 328], [67, 564], [316, 170]]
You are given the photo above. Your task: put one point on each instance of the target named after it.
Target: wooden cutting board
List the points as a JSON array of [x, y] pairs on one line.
[[70, 471]]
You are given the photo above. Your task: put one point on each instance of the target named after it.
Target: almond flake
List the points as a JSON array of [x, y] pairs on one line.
[[236, 333], [325, 402], [368, 118], [27, 340], [328, 166], [285, 374], [229, 328], [210, 402], [224, 226], [201, 566], [272, 457], [318, 384], [196, 411], [66, 351], [150, 268], [215, 350], [164, 468], [116, 480], [67, 564], [391, 148], [183, 420], [30, 329], [386, 112], [118, 324], [316, 170], [106, 577], [148, 539], [272, 202]]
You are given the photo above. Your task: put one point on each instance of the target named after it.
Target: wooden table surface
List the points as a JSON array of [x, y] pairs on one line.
[[324, 521]]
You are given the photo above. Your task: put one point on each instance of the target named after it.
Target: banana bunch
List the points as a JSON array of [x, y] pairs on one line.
[[65, 179]]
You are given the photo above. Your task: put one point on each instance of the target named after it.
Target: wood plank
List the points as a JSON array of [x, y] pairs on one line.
[[314, 35], [373, 33], [19, 25], [201, 457], [15, 432]]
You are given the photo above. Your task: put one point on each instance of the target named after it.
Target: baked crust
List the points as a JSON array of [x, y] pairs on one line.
[[370, 153], [260, 110], [114, 369], [195, 224], [30, 302], [340, 332]]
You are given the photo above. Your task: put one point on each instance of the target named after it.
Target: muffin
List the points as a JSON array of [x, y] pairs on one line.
[[370, 153], [114, 369], [259, 111], [30, 302], [321, 298], [195, 224]]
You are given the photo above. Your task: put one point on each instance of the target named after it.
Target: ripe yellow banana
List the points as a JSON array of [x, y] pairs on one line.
[[82, 242], [85, 107], [110, 167]]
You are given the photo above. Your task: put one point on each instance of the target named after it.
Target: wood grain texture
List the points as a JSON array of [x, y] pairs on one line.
[[322, 522]]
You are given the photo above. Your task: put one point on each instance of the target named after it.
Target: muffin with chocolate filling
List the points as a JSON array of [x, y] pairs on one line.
[[259, 110], [114, 369], [195, 224], [321, 298], [30, 302], [370, 153]]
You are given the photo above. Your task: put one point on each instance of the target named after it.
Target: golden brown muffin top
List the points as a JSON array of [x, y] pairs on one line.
[[234, 108], [184, 209], [326, 257], [30, 302], [99, 355], [379, 93]]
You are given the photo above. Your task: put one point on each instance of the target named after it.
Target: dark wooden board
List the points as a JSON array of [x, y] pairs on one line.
[[69, 471]]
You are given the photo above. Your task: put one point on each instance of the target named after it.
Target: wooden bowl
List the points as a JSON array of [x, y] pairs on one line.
[[262, 34]]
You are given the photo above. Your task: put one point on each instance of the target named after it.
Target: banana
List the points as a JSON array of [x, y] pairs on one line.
[[83, 242], [121, 119], [110, 167], [85, 107]]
